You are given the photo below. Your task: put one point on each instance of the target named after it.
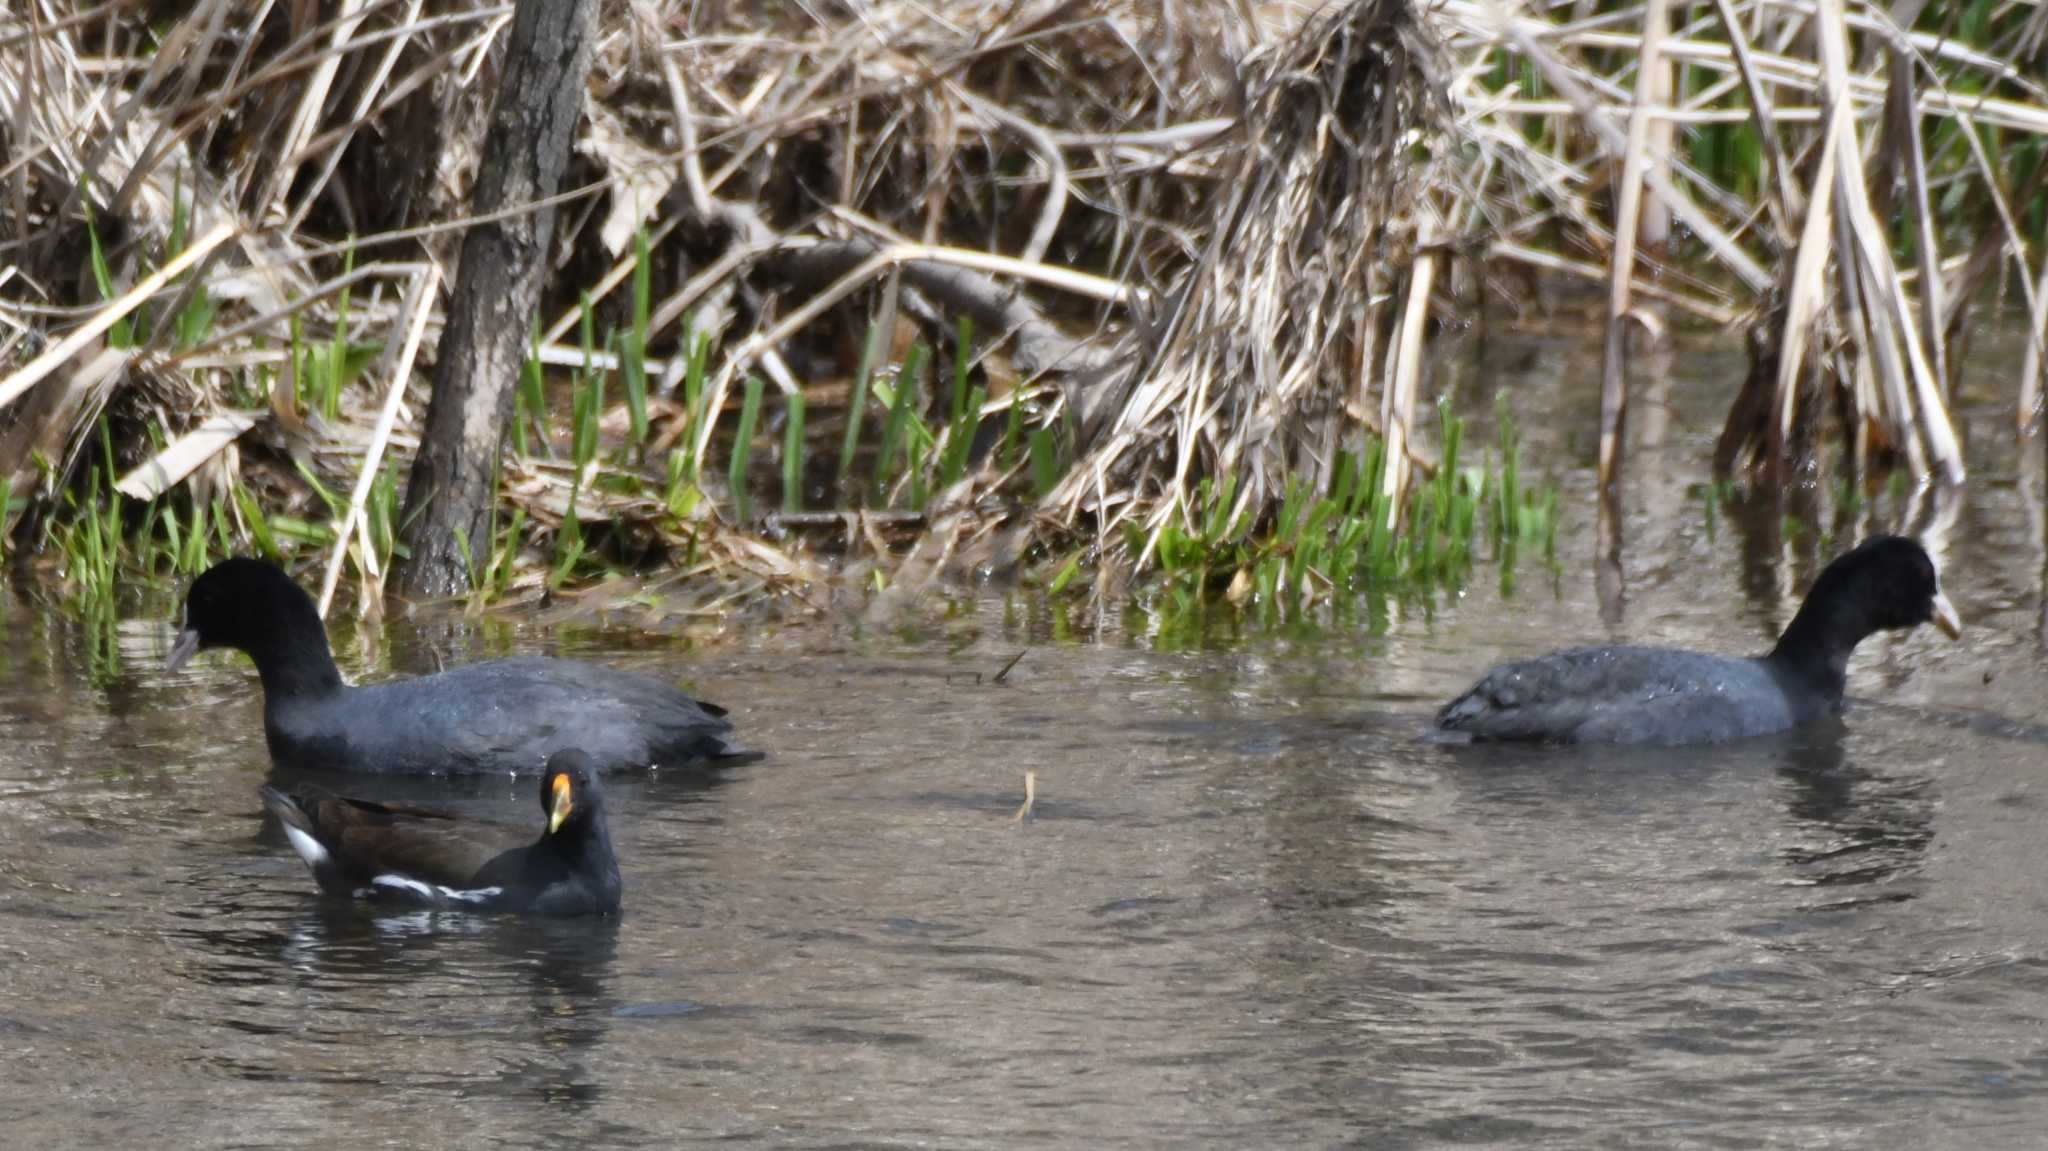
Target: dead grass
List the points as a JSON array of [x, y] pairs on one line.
[[1194, 238]]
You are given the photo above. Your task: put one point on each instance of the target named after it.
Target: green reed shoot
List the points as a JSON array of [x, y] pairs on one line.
[[963, 363], [895, 434], [1045, 463], [192, 558], [258, 525], [381, 512], [223, 534], [469, 565], [1347, 538], [586, 413], [90, 539], [143, 551], [337, 347], [678, 494], [633, 347], [1013, 431], [195, 319], [586, 333], [919, 492], [793, 454], [302, 387], [695, 398], [568, 542], [1065, 576], [529, 403], [960, 438], [122, 334], [743, 448], [857, 403], [336, 505], [1508, 505], [495, 575], [499, 575]]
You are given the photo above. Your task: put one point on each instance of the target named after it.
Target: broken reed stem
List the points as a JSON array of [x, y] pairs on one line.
[[1407, 368], [422, 308], [1809, 282], [1893, 330], [1030, 789], [1627, 228], [890, 257], [1928, 244]]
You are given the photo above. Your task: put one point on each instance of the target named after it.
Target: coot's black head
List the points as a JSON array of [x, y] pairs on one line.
[[1892, 583], [1885, 582], [254, 606], [570, 793]]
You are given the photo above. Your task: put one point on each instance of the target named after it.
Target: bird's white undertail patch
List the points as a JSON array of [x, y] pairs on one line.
[[435, 892], [309, 849]]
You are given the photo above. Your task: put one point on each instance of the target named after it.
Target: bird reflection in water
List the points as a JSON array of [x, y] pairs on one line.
[[538, 990], [1850, 826]]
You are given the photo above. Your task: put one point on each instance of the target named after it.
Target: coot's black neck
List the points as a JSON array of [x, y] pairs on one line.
[[1817, 644], [292, 657]]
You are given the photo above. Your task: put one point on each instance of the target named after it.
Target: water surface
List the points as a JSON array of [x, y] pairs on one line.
[[1250, 907]]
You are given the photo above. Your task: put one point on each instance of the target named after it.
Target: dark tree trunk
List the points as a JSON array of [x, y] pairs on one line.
[[452, 491]]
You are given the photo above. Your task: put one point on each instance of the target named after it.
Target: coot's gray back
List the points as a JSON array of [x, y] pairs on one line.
[[1628, 695], [506, 715]]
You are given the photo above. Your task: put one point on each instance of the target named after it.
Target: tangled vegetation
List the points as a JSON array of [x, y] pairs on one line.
[[884, 293]]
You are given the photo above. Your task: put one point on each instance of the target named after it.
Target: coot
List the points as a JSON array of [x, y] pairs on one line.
[[1669, 696], [504, 715], [419, 858]]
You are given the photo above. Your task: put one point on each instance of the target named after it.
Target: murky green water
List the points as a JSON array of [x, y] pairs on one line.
[[1250, 908]]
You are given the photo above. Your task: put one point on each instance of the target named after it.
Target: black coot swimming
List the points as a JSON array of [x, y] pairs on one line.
[[1670, 696], [505, 715], [418, 858]]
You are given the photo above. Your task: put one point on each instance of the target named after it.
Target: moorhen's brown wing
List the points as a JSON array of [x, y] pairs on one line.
[[364, 839]]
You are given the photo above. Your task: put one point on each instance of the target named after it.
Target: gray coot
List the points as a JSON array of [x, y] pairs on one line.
[[419, 858], [1669, 696], [505, 715]]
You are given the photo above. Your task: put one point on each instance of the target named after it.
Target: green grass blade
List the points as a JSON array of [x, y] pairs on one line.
[[793, 455], [743, 448]]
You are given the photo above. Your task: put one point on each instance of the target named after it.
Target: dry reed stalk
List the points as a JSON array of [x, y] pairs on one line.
[[1628, 223], [1258, 360], [1405, 375], [420, 307], [184, 456], [364, 103], [1804, 301], [1896, 331], [1931, 306], [1030, 787], [1524, 33]]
